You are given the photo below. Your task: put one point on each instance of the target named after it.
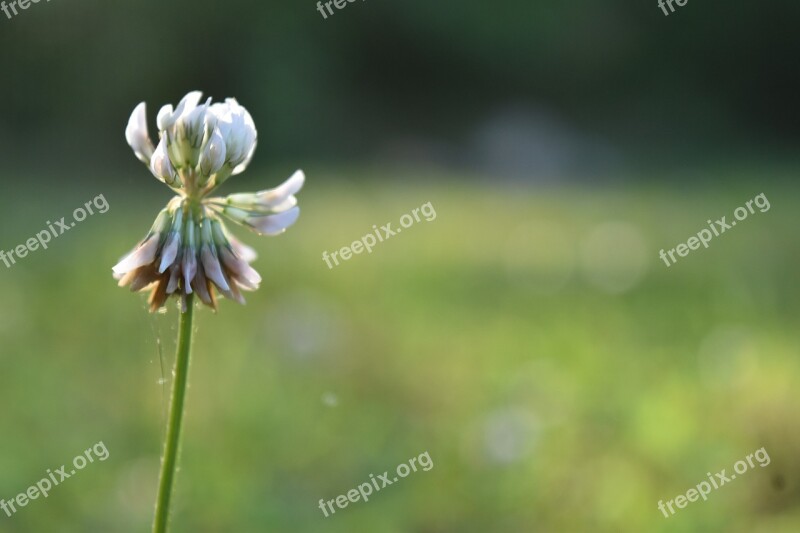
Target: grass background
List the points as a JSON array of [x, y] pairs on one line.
[[560, 376]]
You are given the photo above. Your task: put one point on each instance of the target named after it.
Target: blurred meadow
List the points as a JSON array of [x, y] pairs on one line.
[[561, 377]]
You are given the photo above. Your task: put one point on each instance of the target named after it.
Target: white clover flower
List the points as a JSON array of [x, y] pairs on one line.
[[188, 249]]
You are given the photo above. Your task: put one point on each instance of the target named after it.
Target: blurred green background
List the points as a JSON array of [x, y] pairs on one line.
[[560, 376]]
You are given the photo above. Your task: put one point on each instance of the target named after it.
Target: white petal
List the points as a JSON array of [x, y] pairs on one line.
[[212, 268], [188, 103], [189, 267], [213, 156], [194, 123], [274, 224], [243, 165], [137, 136], [161, 166], [240, 268], [220, 115], [287, 204], [169, 252], [201, 288], [143, 255], [163, 120], [245, 252], [283, 191], [167, 117]]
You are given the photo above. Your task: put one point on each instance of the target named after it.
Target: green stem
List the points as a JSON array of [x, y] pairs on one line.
[[169, 462]]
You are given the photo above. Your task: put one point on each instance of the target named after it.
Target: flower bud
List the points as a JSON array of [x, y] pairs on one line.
[[212, 156], [173, 242], [192, 125], [191, 128], [167, 117], [209, 259], [239, 132], [161, 166]]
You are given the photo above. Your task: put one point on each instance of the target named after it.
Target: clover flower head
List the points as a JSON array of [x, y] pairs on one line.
[[189, 249]]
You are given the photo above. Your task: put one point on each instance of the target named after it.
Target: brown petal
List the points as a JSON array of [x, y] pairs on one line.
[[158, 296]]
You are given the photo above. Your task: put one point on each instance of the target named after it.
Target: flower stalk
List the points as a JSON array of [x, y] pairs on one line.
[[174, 423]]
